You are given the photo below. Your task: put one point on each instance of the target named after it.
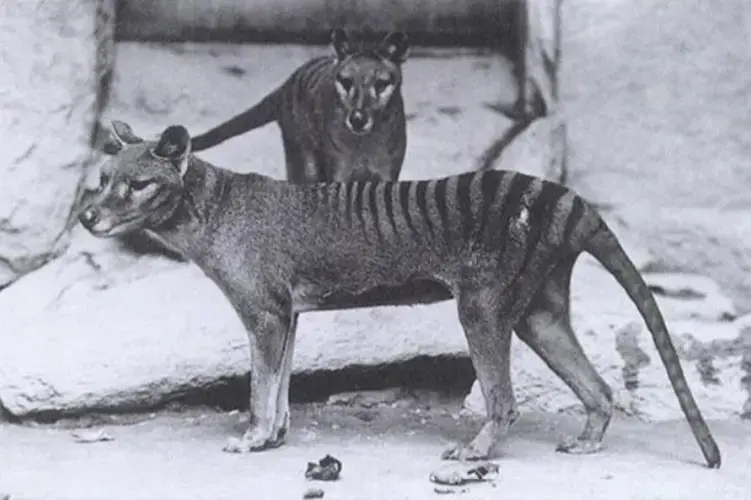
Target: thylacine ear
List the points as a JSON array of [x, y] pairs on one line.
[[340, 44], [115, 138], [395, 47], [174, 145]]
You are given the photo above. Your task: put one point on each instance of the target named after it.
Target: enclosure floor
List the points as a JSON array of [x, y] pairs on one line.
[[387, 453]]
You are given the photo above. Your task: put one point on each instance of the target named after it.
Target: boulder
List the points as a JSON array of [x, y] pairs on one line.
[[711, 241], [673, 168], [52, 55], [617, 342], [536, 150], [99, 328]]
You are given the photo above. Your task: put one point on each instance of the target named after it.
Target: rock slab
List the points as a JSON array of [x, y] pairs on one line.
[[49, 53]]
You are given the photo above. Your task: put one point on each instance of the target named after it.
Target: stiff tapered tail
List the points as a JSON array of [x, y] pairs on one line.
[[262, 113], [604, 246]]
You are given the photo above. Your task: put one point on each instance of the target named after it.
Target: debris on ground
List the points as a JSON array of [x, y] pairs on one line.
[[327, 469], [371, 399], [313, 493], [91, 436], [449, 491], [459, 473]]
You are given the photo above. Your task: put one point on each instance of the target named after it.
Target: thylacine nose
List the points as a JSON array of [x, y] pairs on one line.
[[89, 217], [358, 120]]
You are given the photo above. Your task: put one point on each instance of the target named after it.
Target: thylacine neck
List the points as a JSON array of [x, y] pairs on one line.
[[205, 187]]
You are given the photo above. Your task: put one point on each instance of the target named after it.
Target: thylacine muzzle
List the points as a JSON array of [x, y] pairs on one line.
[[502, 244]]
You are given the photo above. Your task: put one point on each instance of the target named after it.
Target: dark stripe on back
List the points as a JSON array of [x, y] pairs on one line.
[[464, 202], [306, 78], [439, 196], [489, 186], [422, 204], [574, 216], [404, 203], [388, 201], [373, 205], [359, 209]]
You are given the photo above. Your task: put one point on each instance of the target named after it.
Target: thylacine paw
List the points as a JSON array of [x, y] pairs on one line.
[[579, 447], [248, 444], [463, 453]]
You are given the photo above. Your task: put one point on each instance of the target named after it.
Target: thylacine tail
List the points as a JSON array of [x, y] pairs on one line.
[[262, 113], [604, 246]]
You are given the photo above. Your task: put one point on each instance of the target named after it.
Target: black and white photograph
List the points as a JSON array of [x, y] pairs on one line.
[[375, 250]]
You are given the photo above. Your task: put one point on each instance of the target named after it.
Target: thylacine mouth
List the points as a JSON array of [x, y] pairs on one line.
[[120, 228]]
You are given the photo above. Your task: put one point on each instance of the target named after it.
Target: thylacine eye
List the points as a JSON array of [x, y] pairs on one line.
[[104, 179], [140, 184], [345, 82], [381, 84]]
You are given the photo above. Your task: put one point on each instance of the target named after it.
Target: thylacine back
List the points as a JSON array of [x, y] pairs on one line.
[[341, 116], [503, 244]]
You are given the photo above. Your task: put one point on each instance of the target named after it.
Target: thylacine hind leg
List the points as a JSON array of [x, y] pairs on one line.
[[546, 328], [488, 335]]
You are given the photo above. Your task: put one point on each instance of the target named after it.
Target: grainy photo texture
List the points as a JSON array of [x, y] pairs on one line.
[[375, 250]]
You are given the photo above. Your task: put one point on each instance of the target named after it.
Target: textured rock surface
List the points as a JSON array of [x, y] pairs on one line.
[[130, 331], [675, 168], [48, 91]]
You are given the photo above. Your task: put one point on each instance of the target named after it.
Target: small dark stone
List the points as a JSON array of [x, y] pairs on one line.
[[313, 493], [327, 469], [234, 70]]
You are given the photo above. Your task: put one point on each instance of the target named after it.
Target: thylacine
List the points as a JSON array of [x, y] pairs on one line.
[[503, 244], [341, 116]]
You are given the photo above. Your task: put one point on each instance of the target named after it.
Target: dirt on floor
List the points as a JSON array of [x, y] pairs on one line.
[[388, 452]]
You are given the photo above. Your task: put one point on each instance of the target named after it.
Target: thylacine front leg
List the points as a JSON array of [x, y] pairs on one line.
[[270, 331], [281, 426]]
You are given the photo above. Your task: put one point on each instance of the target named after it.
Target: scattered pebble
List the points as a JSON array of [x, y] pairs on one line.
[[313, 493], [91, 436], [327, 469]]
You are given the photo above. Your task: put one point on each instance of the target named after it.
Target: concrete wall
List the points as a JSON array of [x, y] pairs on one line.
[[429, 22]]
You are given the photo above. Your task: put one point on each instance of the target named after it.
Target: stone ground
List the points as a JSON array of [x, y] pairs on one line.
[[387, 453]]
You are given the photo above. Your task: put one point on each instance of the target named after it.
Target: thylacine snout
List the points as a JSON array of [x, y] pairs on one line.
[[359, 121]]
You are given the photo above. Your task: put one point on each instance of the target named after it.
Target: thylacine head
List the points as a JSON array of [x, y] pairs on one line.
[[366, 78], [141, 186]]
